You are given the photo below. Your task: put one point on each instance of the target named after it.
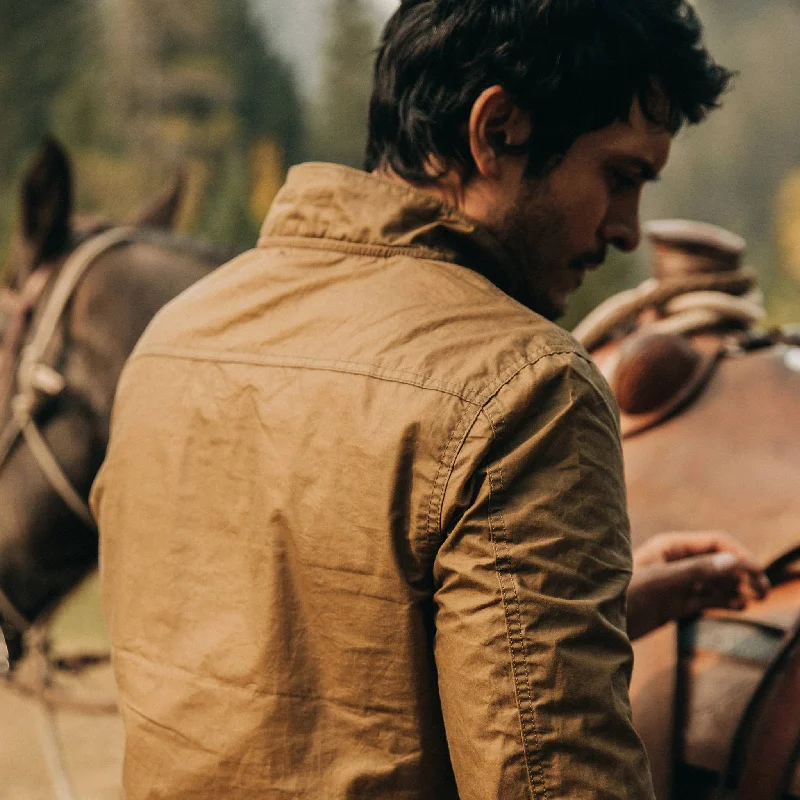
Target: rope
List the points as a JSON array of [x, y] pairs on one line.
[[50, 741], [687, 304], [53, 756], [51, 749], [59, 700], [697, 310]]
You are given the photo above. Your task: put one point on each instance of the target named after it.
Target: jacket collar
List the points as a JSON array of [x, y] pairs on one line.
[[334, 203]]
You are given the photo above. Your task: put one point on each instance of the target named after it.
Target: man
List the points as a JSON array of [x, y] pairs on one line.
[[363, 517]]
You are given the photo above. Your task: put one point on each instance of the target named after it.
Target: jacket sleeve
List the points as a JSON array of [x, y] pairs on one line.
[[530, 579]]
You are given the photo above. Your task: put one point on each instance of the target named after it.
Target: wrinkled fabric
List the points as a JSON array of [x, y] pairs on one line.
[[363, 525]]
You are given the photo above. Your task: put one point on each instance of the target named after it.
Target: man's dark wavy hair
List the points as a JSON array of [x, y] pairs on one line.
[[576, 65]]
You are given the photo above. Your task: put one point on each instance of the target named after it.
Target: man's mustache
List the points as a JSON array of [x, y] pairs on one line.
[[590, 260]]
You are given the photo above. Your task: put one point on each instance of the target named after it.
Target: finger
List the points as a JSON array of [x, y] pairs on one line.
[[684, 544], [713, 581], [718, 596], [755, 585], [721, 572], [651, 552], [684, 588], [674, 546], [753, 582], [762, 584]]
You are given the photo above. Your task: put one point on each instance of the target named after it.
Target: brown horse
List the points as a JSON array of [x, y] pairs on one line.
[[79, 294], [710, 411]]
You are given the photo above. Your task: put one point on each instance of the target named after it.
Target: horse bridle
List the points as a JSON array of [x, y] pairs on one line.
[[35, 378]]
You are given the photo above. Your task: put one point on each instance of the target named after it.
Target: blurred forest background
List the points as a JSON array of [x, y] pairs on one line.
[[236, 91]]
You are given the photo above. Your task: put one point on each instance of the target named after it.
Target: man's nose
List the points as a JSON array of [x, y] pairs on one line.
[[623, 232]]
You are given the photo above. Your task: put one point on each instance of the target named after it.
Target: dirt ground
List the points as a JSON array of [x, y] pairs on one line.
[[91, 746]]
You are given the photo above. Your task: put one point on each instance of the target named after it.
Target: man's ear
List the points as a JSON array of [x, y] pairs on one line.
[[497, 129], [47, 202]]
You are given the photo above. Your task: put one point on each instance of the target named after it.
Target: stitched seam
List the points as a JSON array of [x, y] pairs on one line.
[[440, 483], [516, 639], [353, 248], [300, 362], [491, 391], [433, 530]]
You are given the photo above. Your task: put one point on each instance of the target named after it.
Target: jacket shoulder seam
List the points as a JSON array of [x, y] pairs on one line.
[[445, 467]]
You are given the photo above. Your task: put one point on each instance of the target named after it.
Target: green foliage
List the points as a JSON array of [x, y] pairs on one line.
[[225, 217], [40, 46], [40, 41], [268, 100], [137, 88], [340, 131]]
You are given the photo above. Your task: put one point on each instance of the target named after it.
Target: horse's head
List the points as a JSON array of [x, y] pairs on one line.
[[48, 230], [57, 400]]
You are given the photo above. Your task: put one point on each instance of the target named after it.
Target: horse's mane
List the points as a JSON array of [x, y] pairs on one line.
[[182, 243], [167, 240]]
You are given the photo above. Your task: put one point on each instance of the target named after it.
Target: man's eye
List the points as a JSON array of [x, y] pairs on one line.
[[620, 180]]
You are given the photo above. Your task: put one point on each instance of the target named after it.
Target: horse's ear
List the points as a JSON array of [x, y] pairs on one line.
[[163, 211], [47, 202]]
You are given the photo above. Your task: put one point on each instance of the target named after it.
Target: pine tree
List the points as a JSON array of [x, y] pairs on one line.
[[340, 129], [41, 42], [268, 101], [161, 84]]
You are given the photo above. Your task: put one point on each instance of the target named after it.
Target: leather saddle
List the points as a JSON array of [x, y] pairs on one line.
[[659, 345], [716, 699], [654, 376], [738, 698]]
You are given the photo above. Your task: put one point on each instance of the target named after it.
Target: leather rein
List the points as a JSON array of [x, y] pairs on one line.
[[35, 378]]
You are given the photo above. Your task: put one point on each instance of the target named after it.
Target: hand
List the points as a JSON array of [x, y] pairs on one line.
[[677, 575]]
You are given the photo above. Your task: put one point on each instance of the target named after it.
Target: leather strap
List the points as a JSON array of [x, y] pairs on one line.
[[35, 376], [765, 746], [777, 569], [11, 614], [774, 739], [19, 304]]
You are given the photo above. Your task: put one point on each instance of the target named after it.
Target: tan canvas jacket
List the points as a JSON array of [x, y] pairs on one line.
[[363, 524]]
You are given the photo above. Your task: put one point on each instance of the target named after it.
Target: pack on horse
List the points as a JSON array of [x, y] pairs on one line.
[[710, 412], [79, 293]]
